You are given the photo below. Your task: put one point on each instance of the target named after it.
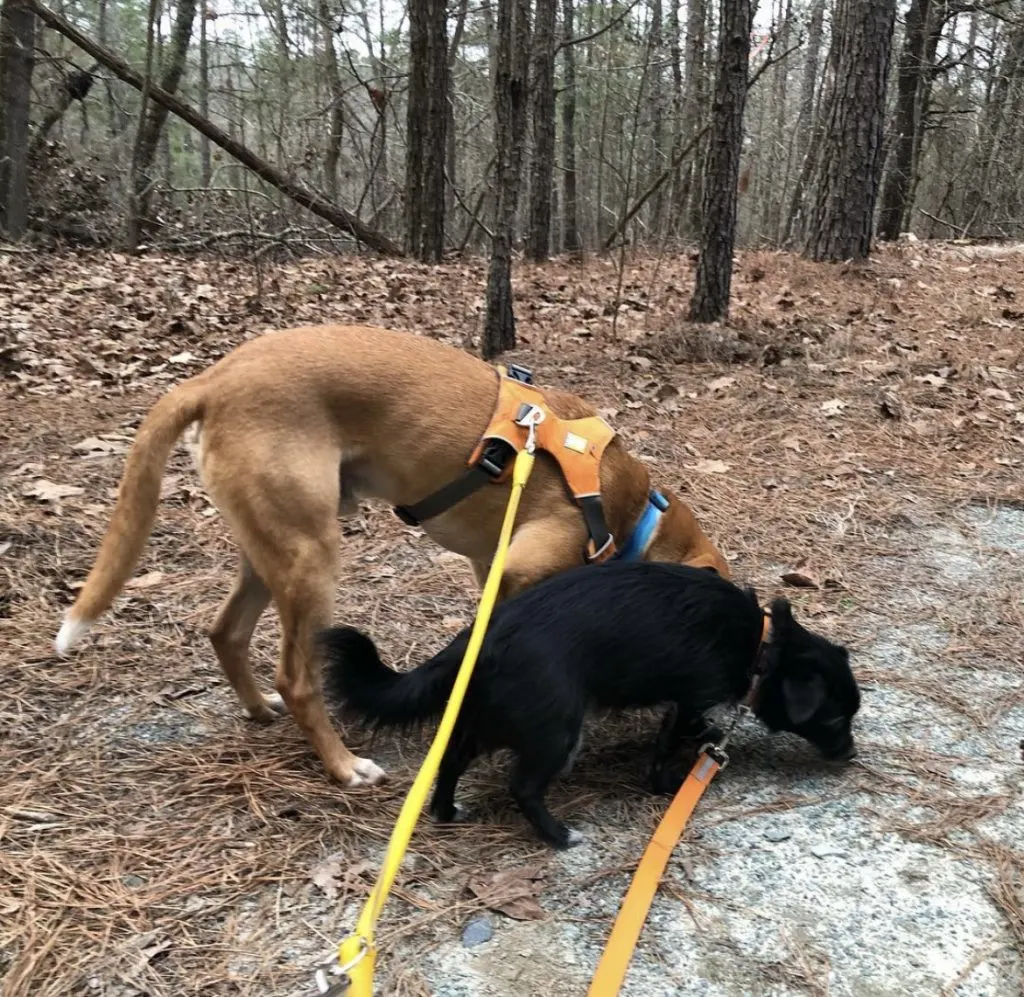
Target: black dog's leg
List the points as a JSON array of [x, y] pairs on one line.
[[461, 751], [677, 726], [530, 780]]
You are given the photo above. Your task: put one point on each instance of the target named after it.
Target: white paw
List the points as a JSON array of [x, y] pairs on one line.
[[268, 710], [70, 633], [575, 838], [366, 773], [461, 814]]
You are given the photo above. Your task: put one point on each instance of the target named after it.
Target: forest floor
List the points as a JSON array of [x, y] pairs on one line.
[[860, 426]]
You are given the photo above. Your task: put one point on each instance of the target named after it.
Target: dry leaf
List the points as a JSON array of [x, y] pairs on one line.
[[50, 491], [935, 380], [710, 467], [181, 357], [890, 404], [513, 892], [834, 406], [95, 445], [999, 394], [802, 576], [145, 581], [327, 875], [720, 384]]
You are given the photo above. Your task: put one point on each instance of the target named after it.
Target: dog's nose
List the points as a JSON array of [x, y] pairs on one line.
[[846, 754]]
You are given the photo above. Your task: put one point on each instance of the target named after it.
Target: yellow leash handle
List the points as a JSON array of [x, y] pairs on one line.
[[357, 954], [614, 964]]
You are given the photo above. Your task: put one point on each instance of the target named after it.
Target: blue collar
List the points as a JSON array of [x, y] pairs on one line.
[[640, 539]]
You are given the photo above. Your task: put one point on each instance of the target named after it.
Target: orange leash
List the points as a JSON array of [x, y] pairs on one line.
[[611, 970]]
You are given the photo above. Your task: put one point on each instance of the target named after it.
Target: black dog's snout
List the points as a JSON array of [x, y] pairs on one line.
[[844, 754]]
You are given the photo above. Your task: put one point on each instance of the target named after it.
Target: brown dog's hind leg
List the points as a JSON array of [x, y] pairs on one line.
[[231, 634], [285, 520], [304, 594]]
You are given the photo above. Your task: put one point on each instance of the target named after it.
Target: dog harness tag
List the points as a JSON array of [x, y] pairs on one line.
[[574, 442]]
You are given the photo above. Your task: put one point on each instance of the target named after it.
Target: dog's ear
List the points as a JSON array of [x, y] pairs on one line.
[[803, 696], [782, 616]]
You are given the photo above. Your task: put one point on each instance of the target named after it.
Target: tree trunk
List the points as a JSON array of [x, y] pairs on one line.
[[710, 301], [570, 223], [205, 157], [451, 147], [909, 77], [17, 60], [852, 153], [676, 59], [426, 126], [807, 133], [695, 100], [510, 100], [154, 116], [658, 157], [332, 154], [320, 207], [542, 167]]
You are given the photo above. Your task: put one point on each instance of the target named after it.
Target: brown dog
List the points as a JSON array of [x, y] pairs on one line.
[[398, 415]]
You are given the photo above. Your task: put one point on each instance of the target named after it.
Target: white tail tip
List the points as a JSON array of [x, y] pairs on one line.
[[71, 632]]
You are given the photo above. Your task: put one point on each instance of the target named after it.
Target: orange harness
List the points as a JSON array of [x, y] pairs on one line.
[[576, 444]]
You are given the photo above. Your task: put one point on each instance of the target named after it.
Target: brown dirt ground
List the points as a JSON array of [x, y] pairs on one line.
[[151, 839]]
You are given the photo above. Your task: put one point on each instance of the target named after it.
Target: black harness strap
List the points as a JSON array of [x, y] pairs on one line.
[[593, 516], [488, 468]]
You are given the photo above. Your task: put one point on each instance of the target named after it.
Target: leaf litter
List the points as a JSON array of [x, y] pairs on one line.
[[245, 864]]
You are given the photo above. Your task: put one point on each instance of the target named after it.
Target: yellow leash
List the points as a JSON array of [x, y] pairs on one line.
[[357, 954]]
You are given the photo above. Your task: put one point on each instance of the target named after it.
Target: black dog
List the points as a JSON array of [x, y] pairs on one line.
[[623, 634]]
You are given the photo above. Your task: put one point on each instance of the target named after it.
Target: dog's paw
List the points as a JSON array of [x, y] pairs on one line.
[[458, 814], [267, 711], [365, 773], [574, 838]]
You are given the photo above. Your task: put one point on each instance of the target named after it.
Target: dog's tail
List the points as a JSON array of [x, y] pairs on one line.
[[355, 676], [135, 509]]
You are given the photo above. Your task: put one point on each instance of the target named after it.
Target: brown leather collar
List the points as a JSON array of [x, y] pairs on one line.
[[760, 665]]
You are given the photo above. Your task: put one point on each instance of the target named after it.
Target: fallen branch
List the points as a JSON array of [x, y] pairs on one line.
[[298, 192]]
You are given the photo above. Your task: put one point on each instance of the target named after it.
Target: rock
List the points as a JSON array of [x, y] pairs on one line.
[[777, 834], [478, 931]]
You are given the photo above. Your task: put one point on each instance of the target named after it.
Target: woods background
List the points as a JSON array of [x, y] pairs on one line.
[[552, 126]]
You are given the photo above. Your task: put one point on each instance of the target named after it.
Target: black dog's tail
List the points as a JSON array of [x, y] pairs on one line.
[[355, 676]]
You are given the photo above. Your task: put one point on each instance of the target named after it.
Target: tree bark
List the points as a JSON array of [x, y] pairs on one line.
[[510, 101], [426, 125], [320, 207], [154, 117], [909, 78], [17, 61], [852, 153], [205, 157], [808, 126], [690, 206], [332, 154], [710, 301], [570, 222], [542, 167]]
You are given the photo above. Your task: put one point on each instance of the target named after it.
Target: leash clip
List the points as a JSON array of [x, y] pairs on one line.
[[339, 987], [326, 988], [717, 752], [530, 417]]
